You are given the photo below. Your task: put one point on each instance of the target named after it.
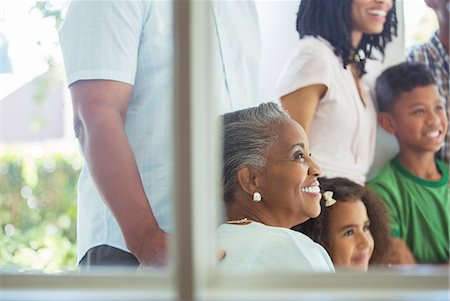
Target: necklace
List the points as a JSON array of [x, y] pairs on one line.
[[239, 221]]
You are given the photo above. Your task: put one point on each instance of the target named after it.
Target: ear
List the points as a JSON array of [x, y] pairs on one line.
[[247, 179], [387, 122]]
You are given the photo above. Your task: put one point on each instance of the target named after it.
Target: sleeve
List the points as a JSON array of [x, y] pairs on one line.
[[311, 63], [326, 257], [388, 196], [416, 54], [100, 39], [410, 57]]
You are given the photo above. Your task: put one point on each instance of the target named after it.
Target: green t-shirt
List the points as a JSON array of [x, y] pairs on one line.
[[419, 210]]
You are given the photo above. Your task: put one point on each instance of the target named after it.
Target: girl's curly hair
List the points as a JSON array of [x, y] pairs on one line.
[[345, 190]]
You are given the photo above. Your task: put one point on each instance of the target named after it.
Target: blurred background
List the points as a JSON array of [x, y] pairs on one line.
[[39, 159]]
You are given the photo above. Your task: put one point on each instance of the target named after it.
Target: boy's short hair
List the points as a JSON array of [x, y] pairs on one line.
[[398, 79]]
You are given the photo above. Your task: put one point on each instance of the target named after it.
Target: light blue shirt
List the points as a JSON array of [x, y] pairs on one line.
[[131, 42]]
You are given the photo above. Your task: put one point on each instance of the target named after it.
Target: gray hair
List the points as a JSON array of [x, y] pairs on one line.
[[247, 136]]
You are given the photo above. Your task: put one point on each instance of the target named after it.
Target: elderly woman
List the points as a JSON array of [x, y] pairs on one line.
[[270, 185]]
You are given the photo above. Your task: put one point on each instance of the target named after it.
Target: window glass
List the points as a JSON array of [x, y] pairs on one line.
[[47, 194], [420, 22], [39, 159], [38, 221]]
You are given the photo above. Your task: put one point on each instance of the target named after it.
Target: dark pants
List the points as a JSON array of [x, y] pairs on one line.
[[107, 256]]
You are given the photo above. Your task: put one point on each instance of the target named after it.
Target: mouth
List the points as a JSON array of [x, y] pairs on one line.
[[377, 12], [433, 134], [360, 259], [311, 189]]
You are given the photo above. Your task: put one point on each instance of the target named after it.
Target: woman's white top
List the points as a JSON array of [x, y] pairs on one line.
[[342, 133], [256, 247]]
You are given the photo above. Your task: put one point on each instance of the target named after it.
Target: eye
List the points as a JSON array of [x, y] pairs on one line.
[[439, 108], [418, 111], [299, 156], [366, 228], [348, 232]]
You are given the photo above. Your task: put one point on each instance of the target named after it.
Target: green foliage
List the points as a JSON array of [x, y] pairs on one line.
[[38, 212], [49, 10]]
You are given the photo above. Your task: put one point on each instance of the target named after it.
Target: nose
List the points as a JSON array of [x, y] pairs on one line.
[[364, 240], [433, 118], [313, 169], [388, 3]]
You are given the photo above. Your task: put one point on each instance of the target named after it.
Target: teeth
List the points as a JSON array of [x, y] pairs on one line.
[[377, 12], [433, 134], [313, 189]]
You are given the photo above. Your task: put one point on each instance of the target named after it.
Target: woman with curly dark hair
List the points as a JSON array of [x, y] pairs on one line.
[[321, 86], [353, 225]]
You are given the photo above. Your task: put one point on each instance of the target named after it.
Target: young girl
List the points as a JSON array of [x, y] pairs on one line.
[[320, 85], [353, 225]]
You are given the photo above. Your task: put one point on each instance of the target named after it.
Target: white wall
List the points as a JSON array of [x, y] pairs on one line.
[[279, 37], [278, 34]]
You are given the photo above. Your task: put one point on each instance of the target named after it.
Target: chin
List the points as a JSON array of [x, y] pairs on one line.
[[377, 29], [362, 267], [316, 215], [319, 210]]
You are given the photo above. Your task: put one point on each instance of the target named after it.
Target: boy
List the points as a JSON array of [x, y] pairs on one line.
[[434, 54], [414, 184]]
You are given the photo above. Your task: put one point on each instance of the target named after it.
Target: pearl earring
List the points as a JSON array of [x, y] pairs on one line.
[[257, 197]]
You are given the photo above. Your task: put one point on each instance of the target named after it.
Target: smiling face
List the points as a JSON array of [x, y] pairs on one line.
[[368, 17], [418, 120], [288, 182], [350, 241]]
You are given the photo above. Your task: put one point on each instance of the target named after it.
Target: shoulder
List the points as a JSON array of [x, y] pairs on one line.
[[253, 232], [105, 22], [444, 167], [384, 174], [264, 238], [303, 243], [312, 62], [102, 10], [288, 247], [315, 47], [425, 52], [385, 181], [416, 53], [257, 247], [312, 251]]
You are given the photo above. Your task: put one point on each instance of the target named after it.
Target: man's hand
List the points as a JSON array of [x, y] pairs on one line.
[[221, 255], [400, 253], [153, 251]]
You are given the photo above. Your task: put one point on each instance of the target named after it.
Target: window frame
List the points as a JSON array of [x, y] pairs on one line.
[[193, 274]]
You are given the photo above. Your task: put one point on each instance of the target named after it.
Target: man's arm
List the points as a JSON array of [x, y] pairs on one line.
[[100, 108], [400, 252]]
